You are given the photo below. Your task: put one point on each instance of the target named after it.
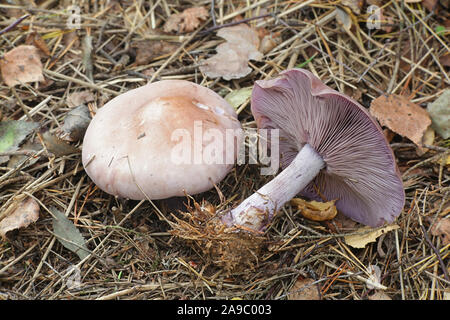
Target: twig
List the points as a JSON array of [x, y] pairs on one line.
[[169, 60], [12, 25], [375, 61], [332, 58], [399, 259], [213, 14], [436, 252], [433, 158], [230, 24], [81, 82], [19, 152], [2, 270]]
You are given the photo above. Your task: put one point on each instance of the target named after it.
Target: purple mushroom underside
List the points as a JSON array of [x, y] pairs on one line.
[[330, 148]]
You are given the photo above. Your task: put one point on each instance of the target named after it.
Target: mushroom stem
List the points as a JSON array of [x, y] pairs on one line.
[[256, 211]]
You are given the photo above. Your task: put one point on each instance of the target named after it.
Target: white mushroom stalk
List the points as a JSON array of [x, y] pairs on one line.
[[255, 211]]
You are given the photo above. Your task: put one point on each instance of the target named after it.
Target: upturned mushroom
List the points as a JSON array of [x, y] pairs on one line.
[[330, 148], [162, 140]]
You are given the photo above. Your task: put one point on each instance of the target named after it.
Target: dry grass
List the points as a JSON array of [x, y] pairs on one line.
[[134, 256]]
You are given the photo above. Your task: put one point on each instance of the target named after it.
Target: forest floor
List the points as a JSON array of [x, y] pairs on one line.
[[99, 49]]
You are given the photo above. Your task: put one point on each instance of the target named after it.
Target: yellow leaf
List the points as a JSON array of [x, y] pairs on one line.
[[55, 34], [444, 161], [366, 235], [237, 97], [314, 210]]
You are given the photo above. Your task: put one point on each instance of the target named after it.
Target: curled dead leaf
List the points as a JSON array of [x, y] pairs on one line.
[[21, 65], [314, 210], [402, 116], [26, 213], [374, 272], [80, 97], [75, 123], [442, 229], [187, 21]]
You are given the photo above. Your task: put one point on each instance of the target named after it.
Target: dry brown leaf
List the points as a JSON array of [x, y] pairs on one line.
[[27, 212], [80, 97], [35, 39], [442, 229], [57, 146], [187, 21], [21, 65], [75, 124], [314, 210], [430, 4], [304, 289], [231, 60], [366, 235], [344, 223], [148, 50], [445, 60], [268, 40], [401, 116]]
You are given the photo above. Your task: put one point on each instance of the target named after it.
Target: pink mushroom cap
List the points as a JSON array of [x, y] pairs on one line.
[[130, 147]]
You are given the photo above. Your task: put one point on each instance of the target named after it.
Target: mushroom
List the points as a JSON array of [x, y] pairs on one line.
[[330, 148], [165, 139]]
